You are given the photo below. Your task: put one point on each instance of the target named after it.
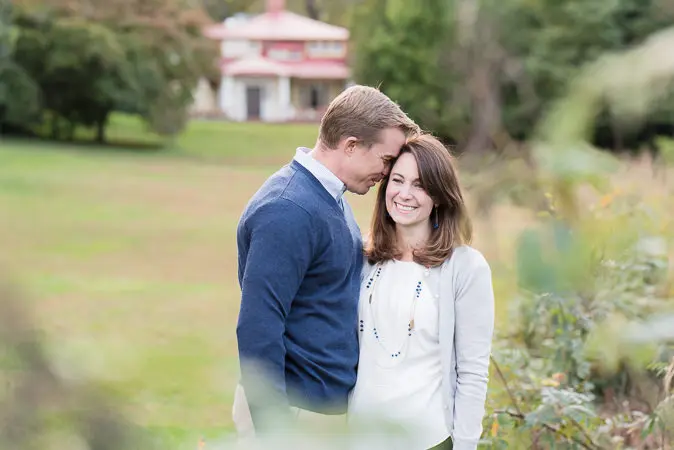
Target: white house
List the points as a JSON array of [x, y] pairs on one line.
[[279, 66]]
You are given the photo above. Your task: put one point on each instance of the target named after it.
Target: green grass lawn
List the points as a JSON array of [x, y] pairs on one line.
[[249, 144], [129, 260]]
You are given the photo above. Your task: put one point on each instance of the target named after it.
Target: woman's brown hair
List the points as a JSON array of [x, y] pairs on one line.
[[438, 177]]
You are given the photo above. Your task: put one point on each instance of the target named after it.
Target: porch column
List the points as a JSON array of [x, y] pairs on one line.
[[285, 107], [227, 95]]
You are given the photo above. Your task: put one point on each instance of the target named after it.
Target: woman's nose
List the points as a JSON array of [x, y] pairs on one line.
[[404, 191]]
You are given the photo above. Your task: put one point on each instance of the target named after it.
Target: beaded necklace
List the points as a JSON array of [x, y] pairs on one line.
[[371, 286]]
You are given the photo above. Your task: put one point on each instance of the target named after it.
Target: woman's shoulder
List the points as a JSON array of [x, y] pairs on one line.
[[466, 267], [465, 257]]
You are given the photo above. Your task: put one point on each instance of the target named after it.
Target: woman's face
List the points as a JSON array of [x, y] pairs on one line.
[[407, 202]]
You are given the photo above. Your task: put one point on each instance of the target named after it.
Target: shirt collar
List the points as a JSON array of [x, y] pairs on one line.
[[329, 180]]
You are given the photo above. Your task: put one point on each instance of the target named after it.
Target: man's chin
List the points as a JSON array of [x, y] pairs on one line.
[[359, 190]]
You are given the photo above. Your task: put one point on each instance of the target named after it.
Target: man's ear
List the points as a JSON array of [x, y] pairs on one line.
[[350, 145]]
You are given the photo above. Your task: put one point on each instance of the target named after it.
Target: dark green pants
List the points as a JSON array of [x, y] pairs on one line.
[[446, 445]]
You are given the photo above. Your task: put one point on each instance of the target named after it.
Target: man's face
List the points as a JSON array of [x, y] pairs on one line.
[[365, 166]]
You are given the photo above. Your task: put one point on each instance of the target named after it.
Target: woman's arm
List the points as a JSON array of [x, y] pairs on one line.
[[473, 330]]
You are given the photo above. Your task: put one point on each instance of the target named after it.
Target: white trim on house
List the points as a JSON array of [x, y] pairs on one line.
[[275, 101]]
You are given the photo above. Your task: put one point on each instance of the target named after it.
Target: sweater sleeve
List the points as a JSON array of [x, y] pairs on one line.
[[279, 237], [474, 327]]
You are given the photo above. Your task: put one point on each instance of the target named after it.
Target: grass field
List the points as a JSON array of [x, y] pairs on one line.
[[129, 259]]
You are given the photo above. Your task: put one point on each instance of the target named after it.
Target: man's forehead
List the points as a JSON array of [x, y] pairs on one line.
[[393, 135], [396, 151]]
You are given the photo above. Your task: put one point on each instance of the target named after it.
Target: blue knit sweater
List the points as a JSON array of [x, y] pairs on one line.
[[300, 259]]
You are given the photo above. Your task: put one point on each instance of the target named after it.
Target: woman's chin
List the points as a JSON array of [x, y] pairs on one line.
[[408, 221]]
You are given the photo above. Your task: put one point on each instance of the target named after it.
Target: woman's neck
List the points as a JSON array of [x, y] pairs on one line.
[[412, 238]]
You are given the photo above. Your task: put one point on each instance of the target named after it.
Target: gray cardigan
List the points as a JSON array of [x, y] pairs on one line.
[[463, 286]]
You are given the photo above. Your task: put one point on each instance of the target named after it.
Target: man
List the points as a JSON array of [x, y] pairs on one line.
[[300, 258]]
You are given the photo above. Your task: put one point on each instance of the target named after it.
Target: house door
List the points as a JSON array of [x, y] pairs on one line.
[[253, 102]]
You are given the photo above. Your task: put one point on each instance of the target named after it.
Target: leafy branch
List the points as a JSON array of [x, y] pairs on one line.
[[518, 414], [554, 429]]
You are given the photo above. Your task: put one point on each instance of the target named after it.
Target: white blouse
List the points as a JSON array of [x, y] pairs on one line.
[[399, 370]]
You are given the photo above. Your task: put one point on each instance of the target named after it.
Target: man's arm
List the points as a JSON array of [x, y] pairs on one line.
[[279, 254]]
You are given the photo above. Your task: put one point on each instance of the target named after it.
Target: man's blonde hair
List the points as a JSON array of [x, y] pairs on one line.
[[362, 112]]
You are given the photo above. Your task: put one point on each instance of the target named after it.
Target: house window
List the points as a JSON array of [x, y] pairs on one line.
[[281, 54], [240, 48], [325, 49]]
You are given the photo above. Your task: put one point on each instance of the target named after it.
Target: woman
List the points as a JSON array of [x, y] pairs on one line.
[[426, 309]]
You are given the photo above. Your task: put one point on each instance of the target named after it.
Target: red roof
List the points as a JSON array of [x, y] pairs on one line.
[[258, 66], [279, 25]]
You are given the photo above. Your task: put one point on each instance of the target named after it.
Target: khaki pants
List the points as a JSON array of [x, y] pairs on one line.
[[243, 421], [245, 429]]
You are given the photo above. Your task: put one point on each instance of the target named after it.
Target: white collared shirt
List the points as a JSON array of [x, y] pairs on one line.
[[329, 180]]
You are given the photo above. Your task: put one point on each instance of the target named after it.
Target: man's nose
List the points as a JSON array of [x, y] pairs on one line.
[[385, 172]]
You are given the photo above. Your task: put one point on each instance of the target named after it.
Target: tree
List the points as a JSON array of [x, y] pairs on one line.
[[338, 13], [81, 68], [398, 48], [552, 40], [219, 10], [165, 38], [93, 57], [475, 70], [19, 95]]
